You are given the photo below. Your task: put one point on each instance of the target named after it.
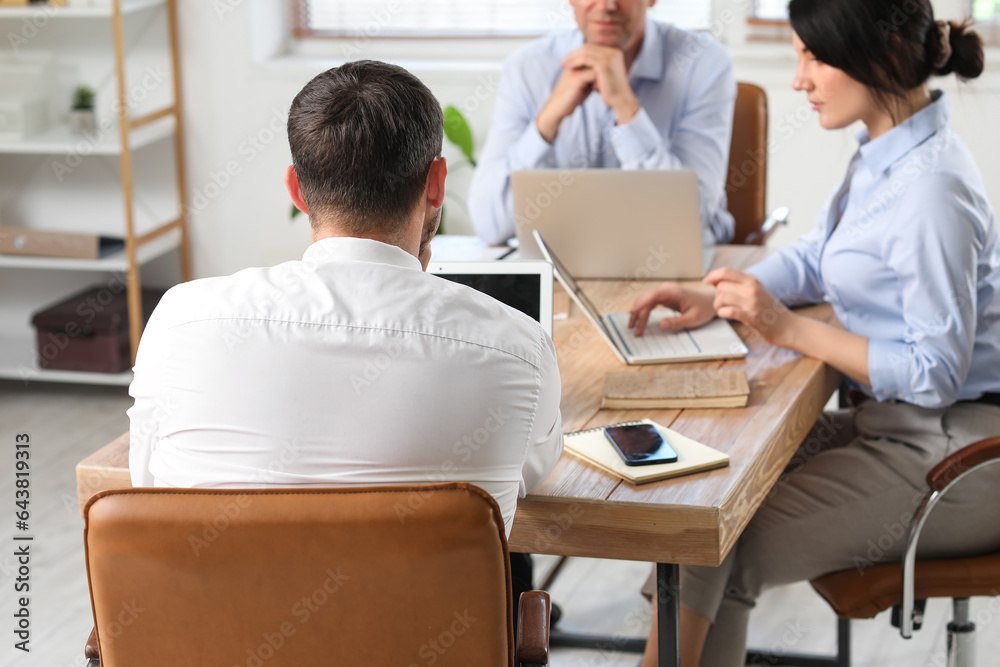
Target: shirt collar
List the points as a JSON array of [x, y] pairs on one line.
[[885, 151], [649, 63], [351, 249]]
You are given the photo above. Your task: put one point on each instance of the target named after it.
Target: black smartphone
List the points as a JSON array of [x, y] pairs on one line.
[[640, 444]]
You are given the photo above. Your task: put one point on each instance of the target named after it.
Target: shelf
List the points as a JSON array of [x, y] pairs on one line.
[[18, 362], [55, 11], [115, 262], [61, 140]]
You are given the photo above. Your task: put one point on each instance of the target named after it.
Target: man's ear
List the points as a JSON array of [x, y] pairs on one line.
[[436, 176], [292, 185]]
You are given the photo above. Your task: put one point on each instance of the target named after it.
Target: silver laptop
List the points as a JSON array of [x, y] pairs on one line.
[[522, 285], [715, 340], [611, 223]]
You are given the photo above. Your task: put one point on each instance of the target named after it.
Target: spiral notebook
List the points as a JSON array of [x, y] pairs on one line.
[[593, 447]]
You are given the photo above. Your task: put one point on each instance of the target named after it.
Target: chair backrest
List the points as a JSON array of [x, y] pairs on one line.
[[746, 183], [406, 575]]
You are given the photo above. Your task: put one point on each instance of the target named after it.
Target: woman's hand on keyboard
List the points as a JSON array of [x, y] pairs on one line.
[[740, 296], [695, 307]]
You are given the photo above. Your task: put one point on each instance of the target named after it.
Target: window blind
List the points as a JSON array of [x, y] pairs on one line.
[[770, 10], [777, 10], [467, 18]]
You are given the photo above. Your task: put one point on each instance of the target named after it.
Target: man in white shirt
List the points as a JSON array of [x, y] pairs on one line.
[[351, 366]]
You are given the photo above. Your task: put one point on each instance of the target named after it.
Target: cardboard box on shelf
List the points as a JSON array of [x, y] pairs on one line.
[[38, 243]]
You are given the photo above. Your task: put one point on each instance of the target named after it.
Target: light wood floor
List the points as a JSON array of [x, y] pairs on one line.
[[66, 423]]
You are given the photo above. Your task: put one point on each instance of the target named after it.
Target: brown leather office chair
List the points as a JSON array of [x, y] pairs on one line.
[[905, 586], [379, 576], [746, 184]]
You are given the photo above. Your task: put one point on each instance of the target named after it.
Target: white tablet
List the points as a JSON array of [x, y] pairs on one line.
[[524, 285]]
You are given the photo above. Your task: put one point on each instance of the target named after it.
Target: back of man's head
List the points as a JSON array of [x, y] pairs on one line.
[[363, 137]]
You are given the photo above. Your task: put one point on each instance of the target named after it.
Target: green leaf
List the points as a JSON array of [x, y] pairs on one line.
[[294, 212], [456, 129]]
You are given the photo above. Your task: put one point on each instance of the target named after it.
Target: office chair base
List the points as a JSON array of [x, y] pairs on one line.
[[842, 659], [607, 644], [961, 636]]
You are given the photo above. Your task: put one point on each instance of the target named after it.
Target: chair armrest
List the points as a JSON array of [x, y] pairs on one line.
[[91, 650], [941, 479], [961, 461], [533, 629], [779, 216]]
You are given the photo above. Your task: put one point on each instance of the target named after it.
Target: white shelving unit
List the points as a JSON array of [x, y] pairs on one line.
[[18, 362], [129, 134], [60, 140], [62, 12]]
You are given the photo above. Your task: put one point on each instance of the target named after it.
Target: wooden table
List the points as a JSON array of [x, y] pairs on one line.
[[582, 511]]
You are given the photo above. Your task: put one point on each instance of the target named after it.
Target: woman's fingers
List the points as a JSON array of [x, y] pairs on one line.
[[735, 313], [686, 320], [638, 320], [725, 274]]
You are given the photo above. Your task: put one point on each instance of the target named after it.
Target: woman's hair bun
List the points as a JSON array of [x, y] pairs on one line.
[[966, 59]]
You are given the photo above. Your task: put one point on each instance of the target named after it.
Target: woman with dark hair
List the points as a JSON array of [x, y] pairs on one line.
[[907, 254]]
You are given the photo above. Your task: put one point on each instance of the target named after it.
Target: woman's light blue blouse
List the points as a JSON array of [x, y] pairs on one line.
[[906, 252]]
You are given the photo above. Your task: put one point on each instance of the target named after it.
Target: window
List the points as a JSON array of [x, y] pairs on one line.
[[777, 10], [770, 10], [464, 18], [768, 21], [986, 10]]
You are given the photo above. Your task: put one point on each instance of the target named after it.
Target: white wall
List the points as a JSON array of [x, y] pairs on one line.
[[234, 95]]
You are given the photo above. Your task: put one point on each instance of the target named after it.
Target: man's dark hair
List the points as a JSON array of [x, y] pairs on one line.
[[363, 137], [891, 46]]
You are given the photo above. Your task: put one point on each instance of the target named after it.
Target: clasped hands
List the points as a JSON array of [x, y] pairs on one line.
[[729, 294], [588, 68]]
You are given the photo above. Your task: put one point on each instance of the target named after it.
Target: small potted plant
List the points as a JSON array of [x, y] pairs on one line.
[[81, 116]]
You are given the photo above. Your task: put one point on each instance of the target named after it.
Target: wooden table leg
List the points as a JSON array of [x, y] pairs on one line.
[[668, 611]]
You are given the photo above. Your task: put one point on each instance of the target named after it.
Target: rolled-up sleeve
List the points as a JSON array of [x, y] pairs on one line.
[[513, 143], [545, 441], [792, 274], [932, 247]]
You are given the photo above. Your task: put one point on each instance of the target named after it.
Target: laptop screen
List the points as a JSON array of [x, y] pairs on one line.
[[521, 291], [523, 285], [567, 279]]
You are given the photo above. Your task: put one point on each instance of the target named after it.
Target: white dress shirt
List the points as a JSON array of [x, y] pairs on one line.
[[349, 367]]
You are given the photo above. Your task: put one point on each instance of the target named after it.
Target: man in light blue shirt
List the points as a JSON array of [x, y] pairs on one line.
[[622, 91]]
